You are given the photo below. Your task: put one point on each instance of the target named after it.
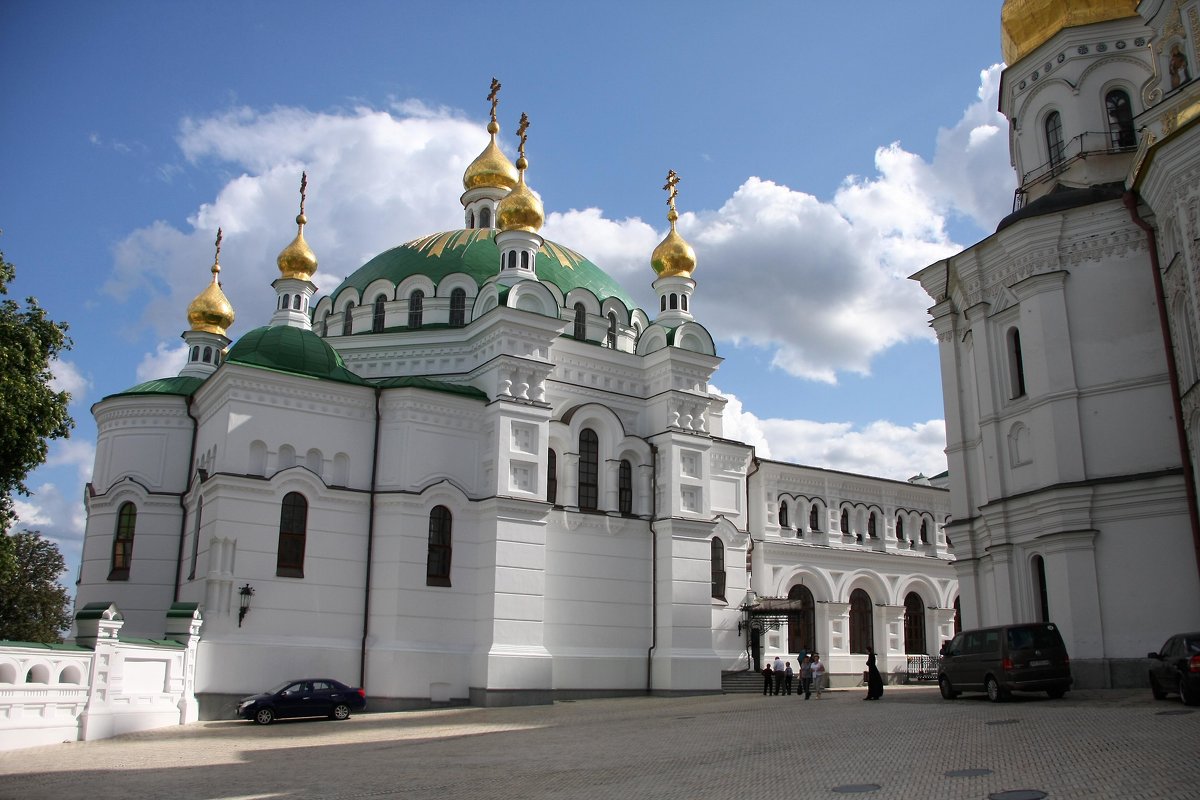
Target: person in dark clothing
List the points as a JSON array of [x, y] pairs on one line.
[[874, 679], [787, 678], [767, 675]]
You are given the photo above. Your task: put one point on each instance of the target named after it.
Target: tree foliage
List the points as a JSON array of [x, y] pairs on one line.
[[34, 606], [31, 412]]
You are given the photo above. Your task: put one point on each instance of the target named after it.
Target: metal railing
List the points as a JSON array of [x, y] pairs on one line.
[[1085, 145]]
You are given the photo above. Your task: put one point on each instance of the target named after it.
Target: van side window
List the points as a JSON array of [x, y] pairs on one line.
[[991, 642]]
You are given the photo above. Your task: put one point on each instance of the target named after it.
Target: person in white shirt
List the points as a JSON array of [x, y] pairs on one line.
[[778, 668], [818, 674]]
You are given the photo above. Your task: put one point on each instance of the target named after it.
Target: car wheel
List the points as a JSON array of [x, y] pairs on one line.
[[264, 716], [1056, 694], [994, 692], [947, 688], [1156, 690], [340, 711], [1188, 697]]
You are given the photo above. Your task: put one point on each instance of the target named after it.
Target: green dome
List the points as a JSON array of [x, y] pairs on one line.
[[474, 253], [291, 350], [181, 386]]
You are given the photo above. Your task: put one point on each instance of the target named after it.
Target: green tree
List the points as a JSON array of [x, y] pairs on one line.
[[34, 606], [31, 412]]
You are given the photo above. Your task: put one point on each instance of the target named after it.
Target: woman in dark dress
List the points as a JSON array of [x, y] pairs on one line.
[[874, 679]]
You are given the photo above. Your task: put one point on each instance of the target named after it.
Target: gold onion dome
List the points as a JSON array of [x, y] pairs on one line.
[[521, 210], [673, 256], [1025, 25], [211, 312], [491, 168], [297, 259]]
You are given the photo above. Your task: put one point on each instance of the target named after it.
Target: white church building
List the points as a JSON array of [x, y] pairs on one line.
[[476, 472], [1068, 340]]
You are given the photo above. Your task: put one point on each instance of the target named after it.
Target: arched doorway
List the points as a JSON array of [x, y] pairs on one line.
[[957, 617], [862, 629], [1042, 595], [802, 623], [914, 625]]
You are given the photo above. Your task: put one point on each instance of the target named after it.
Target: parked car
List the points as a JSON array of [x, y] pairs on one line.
[[1176, 668], [1029, 657], [308, 697]]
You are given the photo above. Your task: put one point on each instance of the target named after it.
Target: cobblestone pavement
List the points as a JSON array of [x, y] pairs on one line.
[[912, 744]]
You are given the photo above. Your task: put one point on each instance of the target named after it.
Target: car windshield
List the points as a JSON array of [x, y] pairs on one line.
[[280, 687]]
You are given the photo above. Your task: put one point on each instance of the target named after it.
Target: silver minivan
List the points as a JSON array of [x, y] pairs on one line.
[[1028, 657]]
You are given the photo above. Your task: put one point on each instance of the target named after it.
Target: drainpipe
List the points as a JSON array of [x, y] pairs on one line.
[[362, 654], [653, 569], [1131, 201], [182, 504], [756, 465]]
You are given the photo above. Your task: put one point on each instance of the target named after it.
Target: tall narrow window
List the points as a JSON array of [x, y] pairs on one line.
[[914, 624], [1054, 140], [524, 259], [1043, 596], [377, 315], [814, 518], [862, 628], [196, 538], [458, 308], [589, 470], [802, 622], [612, 330], [485, 217], [924, 531], [470, 219], [957, 617], [296, 302], [683, 302], [552, 477], [1120, 120], [845, 522], [348, 319], [293, 531], [580, 331], [437, 568], [899, 528], [783, 515], [325, 322], [122, 550], [717, 561], [871, 531], [1016, 364], [512, 259], [674, 301], [416, 305], [625, 487]]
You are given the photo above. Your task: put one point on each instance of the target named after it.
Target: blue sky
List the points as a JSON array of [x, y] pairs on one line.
[[827, 151]]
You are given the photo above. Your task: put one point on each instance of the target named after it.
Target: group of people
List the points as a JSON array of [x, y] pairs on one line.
[[778, 676]]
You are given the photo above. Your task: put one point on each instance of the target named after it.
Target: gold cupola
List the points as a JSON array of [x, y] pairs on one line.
[[491, 168], [297, 259], [673, 256], [211, 312], [1025, 25], [521, 210]]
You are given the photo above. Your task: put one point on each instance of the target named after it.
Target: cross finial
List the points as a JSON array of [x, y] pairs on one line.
[[303, 190], [671, 187], [493, 96], [522, 132], [216, 267]]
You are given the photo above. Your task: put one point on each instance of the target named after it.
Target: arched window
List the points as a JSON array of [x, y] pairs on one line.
[[1039, 584], [924, 531], [524, 259], [416, 304], [1120, 120], [512, 259], [580, 331], [802, 623], [845, 522], [470, 219], [814, 518], [862, 629], [683, 302], [195, 353], [122, 549], [207, 355], [871, 532], [625, 487], [196, 537], [296, 302], [552, 477], [458, 308], [612, 330], [293, 531], [1016, 364], [437, 567], [285, 301], [717, 561], [674, 301], [914, 624], [662, 303], [485, 217], [377, 315], [1054, 140], [348, 319], [899, 528], [325, 323], [783, 515], [589, 470]]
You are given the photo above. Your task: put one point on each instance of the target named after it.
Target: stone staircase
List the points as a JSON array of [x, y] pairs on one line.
[[741, 682]]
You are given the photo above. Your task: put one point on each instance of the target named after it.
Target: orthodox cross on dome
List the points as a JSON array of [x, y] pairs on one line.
[[303, 191], [216, 267], [522, 132], [672, 189], [494, 95]]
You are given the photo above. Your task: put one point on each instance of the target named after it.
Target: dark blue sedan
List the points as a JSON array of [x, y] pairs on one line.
[[308, 697]]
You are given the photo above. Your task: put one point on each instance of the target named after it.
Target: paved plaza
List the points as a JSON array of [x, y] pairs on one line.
[[912, 744]]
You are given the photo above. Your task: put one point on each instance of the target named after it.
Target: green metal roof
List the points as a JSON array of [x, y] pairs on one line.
[[292, 350], [418, 382], [474, 253], [182, 386], [46, 645]]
